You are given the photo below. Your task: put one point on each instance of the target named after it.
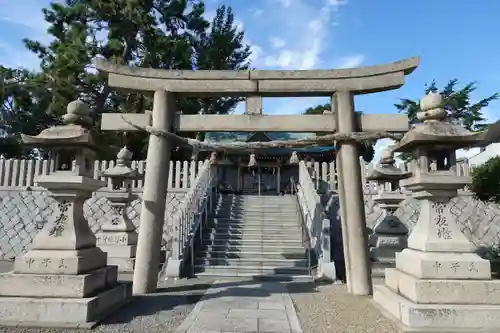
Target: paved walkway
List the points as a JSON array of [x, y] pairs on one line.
[[243, 306]]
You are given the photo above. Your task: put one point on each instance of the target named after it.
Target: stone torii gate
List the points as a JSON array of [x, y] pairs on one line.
[[341, 85]]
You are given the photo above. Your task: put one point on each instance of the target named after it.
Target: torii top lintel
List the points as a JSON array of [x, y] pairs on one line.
[[275, 83]]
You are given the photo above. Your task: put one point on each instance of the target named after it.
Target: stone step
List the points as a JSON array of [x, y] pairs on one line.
[[220, 270], [239, 198], [256, 219], [254, 230], [283, 215], [255, 237], [272, 206], [258, 276], [235, 224], [263, 216], [270, 247], [255, 253], [267, 203], [245, 262]]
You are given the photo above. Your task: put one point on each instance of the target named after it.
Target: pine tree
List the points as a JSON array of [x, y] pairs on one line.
[[164, 34], [366, 151]]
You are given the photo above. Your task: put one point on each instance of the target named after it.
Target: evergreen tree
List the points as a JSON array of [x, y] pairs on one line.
[[164, 34], [367, 151], [457, 103]]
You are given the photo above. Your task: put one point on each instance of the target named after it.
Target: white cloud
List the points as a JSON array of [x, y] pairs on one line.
[[305, 27], [257, 12], [277, 42], [351, 61], [285, 3]]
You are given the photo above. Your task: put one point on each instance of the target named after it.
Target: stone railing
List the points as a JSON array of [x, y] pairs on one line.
[[315, 221], [188, 220], [23, 211]]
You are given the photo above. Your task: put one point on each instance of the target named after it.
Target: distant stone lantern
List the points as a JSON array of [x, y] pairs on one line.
[[439, 282], [64, 275], [117, 236], [294, 159], [390, 235]]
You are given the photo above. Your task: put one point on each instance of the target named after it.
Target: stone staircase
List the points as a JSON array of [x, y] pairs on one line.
[[253, 236]]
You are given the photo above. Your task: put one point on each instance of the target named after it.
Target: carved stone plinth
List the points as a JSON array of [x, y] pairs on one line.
[[118, 237], [64, 280], [439, 284], [389, 235]]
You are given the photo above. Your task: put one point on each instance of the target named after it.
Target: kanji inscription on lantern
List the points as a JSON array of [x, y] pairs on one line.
[[58, 227], [443, 230], [454, 266], [112, 239]]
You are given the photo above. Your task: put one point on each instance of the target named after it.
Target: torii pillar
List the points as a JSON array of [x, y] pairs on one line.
[[358, 272], [154, 196]]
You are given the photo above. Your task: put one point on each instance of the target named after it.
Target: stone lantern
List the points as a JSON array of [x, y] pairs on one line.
[[439, 283], [63, 279], [118, 237], [390, 235]]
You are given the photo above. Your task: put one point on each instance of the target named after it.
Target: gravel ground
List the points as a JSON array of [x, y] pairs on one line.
[[159, 312], [330, 309]]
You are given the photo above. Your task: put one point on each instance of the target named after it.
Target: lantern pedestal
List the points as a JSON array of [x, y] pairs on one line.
[[63, 280], [118, 237], [389, 235], [439, 284]]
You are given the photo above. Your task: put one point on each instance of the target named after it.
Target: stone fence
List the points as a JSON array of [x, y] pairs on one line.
[[24, 207], [18, 173]]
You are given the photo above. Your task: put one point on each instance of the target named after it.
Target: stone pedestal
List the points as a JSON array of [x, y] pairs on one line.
[[389, 235], [118, 237], [439, 283], [63, 280]]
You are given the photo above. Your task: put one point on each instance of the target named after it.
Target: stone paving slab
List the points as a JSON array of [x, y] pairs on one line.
[[232, 306]]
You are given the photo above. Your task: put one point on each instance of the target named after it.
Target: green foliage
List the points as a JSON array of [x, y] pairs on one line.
[[457, 102], [165, 34], [22, 109], [486, 181], [366, 151]]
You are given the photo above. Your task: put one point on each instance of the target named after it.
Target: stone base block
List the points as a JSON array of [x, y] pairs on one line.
[[443, 291], [119, 251], [125, 265], [436, 317], [63, 312], [173, 268], [384, 254], [56, 285], [327, 271], [443, 265], [60, 261]]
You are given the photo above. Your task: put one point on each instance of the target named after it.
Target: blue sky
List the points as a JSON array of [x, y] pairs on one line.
[[455, 38]]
